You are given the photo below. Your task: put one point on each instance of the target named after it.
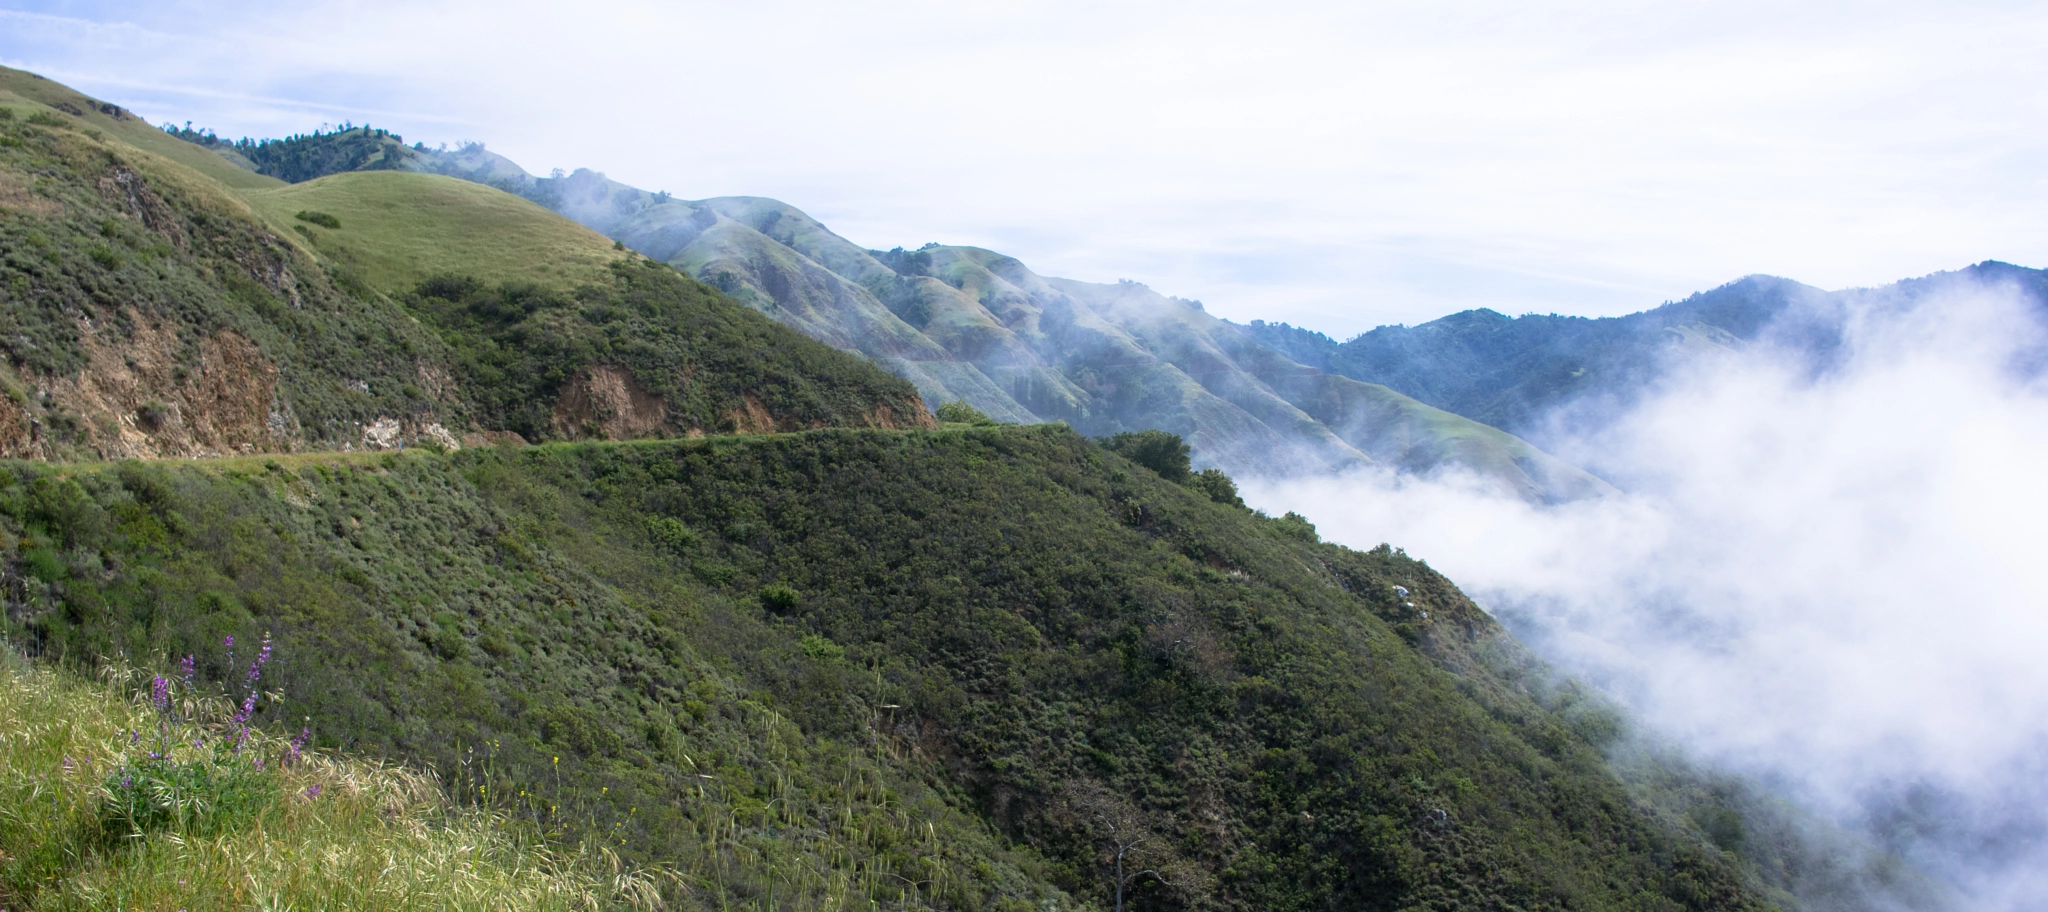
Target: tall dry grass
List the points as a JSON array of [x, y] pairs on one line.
[[330, 833]]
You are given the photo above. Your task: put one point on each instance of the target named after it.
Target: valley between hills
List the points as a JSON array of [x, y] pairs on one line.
[[609, 550]]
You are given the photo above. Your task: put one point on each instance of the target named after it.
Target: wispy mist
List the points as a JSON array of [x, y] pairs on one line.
[[1832, 580]]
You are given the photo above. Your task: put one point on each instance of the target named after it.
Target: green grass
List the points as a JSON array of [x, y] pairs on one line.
[[320, 832], [399, 229]]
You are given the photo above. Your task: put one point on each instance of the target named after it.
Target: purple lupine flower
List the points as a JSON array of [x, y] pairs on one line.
[[229, 642], [298, 746], [312, 791], [128, 781], [258, 763], [186, 667], [256, 667], [160, 693]]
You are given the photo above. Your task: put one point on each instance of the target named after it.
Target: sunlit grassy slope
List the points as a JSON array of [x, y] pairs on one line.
[[316, 832], [399, 228], [27, 89]]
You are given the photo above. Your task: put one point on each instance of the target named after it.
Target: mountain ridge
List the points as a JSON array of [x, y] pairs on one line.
[[978, 326], [1547, 377]]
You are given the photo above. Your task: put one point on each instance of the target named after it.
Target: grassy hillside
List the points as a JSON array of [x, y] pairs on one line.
[[398, 229], [924, 668], [147, 310], [27, 92], [161, 801]]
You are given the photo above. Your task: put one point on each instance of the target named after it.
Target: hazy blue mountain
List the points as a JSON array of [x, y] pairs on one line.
[[1515, 373]]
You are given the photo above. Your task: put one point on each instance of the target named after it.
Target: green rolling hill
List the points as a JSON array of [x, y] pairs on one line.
[[398, 229], [973, 325], [153, 308]]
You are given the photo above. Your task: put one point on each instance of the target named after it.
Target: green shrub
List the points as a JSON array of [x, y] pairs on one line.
[[779, 598], [822, 649], [716, 574], [318, 218], [959, 412], [45, 565], [190, 798], [1163, 453], [1296, 526], [671, 534], [1217, 486]]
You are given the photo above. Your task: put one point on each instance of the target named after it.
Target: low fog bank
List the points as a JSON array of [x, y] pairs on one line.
[[1833, 581]]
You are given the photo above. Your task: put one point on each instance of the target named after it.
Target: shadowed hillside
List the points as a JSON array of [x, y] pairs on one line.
[[923, 667]]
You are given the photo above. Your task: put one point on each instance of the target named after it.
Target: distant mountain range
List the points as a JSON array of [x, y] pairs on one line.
[[1542, 377]]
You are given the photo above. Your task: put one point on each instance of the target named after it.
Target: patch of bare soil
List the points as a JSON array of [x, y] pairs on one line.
[[753, 418], [17, 430], [139, 402], [882, 416], [606, 401]]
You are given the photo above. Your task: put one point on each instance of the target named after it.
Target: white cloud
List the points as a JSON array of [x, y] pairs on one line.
[[1338, 165], [1832, 583]]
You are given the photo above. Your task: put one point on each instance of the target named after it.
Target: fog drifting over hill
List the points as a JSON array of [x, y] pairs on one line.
[[1833, 583]]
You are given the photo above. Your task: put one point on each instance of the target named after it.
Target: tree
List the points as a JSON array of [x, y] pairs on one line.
[[1131, 852]]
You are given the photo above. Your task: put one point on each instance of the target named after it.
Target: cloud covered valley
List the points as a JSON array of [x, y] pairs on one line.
[[1824, 574]]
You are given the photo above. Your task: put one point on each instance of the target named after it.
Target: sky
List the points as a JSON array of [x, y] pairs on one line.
[[1336, 166]]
